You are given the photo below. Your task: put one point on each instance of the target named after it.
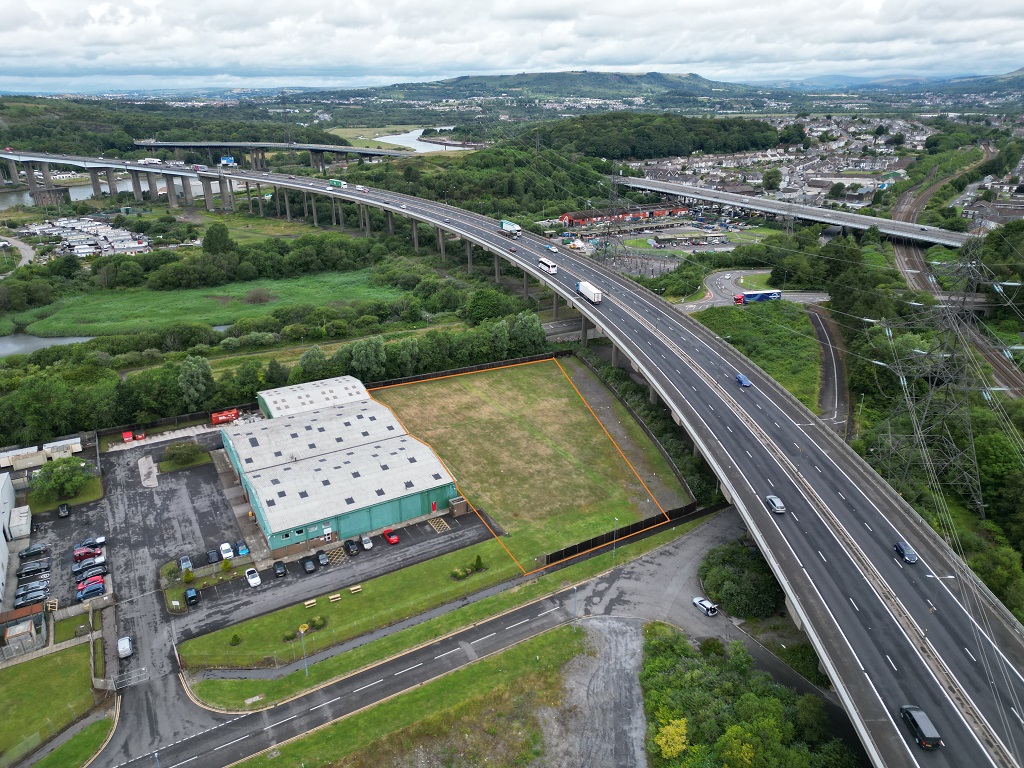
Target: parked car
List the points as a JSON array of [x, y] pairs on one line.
[[366, 541], [390, 536], [85, 553], [97, 570], [705, 606], [33, 567], [280, 569], [63, 510], [124, 647], [351, 548], [321, 557], [185, 563], [85, 565], [31, 598], [905, 551], [93, 542], [226, 552], [242, 548], [742, 380], [32, 586], [98, 579], [93, 590], [191, 596], [212, 556], [308, 564], [34, 550], [253, 577]]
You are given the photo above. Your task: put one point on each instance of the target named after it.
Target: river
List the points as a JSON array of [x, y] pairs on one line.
[[22, 343], [10, 198], [411, 139]]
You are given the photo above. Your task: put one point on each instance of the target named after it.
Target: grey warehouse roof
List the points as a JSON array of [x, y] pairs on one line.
[[300, 398]]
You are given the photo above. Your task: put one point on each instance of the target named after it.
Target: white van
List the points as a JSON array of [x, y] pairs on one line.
[[124, 647]]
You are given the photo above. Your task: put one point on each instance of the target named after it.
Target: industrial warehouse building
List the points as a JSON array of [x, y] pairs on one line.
[[331, 462]]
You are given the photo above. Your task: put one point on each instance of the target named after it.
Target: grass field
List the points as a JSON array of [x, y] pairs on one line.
[[522, 445], [75, 752], [466, 708], [92, 491], [41, 695], [138, 309], [245, 229]]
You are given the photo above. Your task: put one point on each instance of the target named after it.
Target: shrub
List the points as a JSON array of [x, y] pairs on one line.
[[183, 453], [188, 577], [235, 639], [459, 574], [711, 646], [478, 564], [290, 636], [318, 622], [225, 565]]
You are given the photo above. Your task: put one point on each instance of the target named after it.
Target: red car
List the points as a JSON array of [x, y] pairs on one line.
[[90, 581], [84, 553], [390, 536]]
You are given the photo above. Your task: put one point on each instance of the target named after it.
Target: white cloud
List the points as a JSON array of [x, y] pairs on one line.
[[56, 44]]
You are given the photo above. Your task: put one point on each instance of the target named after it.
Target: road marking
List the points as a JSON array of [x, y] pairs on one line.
[[711, 407], [822, 556], [357, 690], [547, 611], [693, 388], [279, 722], [817, 468], [182, 762], [868, 527], [795, 517], [758, 406], [325, 703], [408, 668], [890, 663], [517, 624], [480, 639], [776, 425], [728, 427], [770, 482], [231, 742], [748, 453], [976, 661], [841, 496], [854, 605]]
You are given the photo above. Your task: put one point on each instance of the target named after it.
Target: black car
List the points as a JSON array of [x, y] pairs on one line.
[[35, 550], [32, 586], [351, 548], [87, 564], [96, 570], [321, 557], [34, 567], [93, 542], [905, 551], [30, 599], [308, 564], [280, 569], [63, 510], [191, 596], [213, 556]]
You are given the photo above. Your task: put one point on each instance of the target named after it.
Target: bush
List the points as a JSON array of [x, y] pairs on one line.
[[235, 639], [290, 636], [318, 622], [740, 579], [478, 564], [183, 453], [188, 577], [459, 574], [711, 646], [225, 565]]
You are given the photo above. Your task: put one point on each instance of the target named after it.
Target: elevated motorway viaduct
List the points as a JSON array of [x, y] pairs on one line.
[[258, 150], [887, 633], [898, 229]]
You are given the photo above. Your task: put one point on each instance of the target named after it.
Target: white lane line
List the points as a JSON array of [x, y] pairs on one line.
[[728, 427], [854, 605], [231, 742], [868, 527], [325, 703], [481, 639], [453, 650], [409, 668], [279, 722], [357, 690], [517, 624], [976, 661], [817, 468], [794, 517], [748, 453], [890, 663], [776, 425], [181, 763], [547, 611], [841, 496], [822, 556]]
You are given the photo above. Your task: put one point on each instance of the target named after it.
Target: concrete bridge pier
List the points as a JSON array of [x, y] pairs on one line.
[[227, 197], [526, 285], [584, 327], [47, 181], [497, 269], [136, 185], [316, 161], [94, 177], [154, 189], [259, 198], [287, 207], [390, 216], [615, 356], [207, 192], [334, 217], [469, 256], [554, 305], [12, 171], [415, 238], [277, 201], [30, 178], [312, 200], [440, 241], [248, 196], [652, 394], [111, 182], [305, 206], [186, 190], [172, 191]]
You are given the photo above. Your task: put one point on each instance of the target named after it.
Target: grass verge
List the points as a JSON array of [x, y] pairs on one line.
[[80, 748], [233, 694], [173, 466], [66, 629], [424, 714], [97, 657], [91, 491]]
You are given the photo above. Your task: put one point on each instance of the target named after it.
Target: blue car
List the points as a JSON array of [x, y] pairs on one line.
[[93, 590], [242, 547], [743, 380]]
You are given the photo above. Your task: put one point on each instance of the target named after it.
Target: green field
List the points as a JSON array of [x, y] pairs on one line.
[[80, 748], [522, 445], [138, 309], [43, 695]]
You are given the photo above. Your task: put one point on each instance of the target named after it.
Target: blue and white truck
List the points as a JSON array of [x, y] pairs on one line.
[[590, 292], [748, 297]]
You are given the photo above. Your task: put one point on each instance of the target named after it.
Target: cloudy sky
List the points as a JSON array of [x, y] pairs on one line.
[[80, 46]]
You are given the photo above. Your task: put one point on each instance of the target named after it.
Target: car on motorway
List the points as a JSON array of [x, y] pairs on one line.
[[253, 577], [905, 551], [366, 541], [185, 563], [85, 565], [85, 553], [88, 582], [727, 276], [389, 536], [93, 590], [705, 606], [191, 596], [921, 727], [291, 177], [93, 542], [31, 598], [552, 248], [512, 249], [404, 205], [33, 567], [351, 548], [242, 548], [742, 380], [280, 569], [33, 550], [308, 564], [775, 504], [360, 188], [32, 586], [226, 551], [321, 557], [63, 510], [212, 556], [447, 221]]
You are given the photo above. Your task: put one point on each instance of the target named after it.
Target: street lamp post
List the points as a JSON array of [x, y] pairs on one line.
[[573, 607], [302, 635]]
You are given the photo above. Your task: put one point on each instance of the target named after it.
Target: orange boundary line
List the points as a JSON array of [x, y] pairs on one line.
[[592, 413]]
